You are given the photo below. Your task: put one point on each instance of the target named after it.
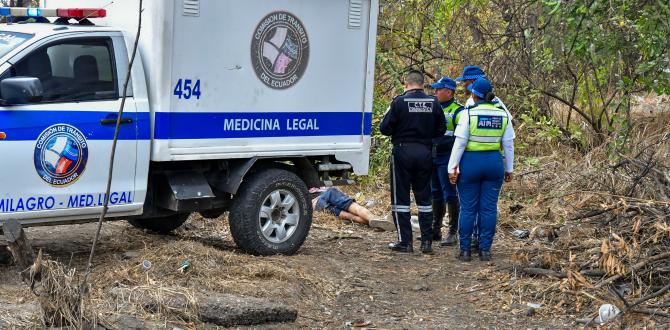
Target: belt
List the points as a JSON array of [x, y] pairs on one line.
[[405, 144]]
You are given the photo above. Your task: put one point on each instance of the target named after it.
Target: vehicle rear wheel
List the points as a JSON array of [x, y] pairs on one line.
[[162, 225], [271, 213]]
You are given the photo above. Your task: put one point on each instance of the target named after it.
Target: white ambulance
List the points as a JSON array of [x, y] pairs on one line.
[[233, 106]]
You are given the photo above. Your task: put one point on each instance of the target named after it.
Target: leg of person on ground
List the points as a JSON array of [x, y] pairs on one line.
[[360, 212], [344, 215], [337, 202]]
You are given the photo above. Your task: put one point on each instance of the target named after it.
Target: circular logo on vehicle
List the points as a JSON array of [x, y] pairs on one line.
[[61, 153], [280, 50]]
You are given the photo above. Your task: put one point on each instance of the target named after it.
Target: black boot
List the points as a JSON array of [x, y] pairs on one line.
[[454, 212], [485, 255], [438, 216], [427, 247], [464, 256], [401, 247]]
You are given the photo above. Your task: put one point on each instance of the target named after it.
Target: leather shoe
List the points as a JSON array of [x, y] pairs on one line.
[[427, 247], [451, 240], [485, 255], [401, 247], [465, 256]]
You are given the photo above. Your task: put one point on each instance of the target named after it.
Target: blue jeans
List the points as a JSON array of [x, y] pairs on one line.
[[334, 201], [441, 189], [482, 175]]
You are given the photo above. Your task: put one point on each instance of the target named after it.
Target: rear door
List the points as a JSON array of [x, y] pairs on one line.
[[54, 153]]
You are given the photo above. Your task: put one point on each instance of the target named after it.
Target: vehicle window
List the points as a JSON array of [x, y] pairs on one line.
[[80, 70], [11, 40]]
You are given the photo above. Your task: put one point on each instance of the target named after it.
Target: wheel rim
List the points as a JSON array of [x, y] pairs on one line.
[[279, 216]]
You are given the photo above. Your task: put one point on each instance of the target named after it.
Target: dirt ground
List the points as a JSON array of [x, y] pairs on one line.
[[343, 275]]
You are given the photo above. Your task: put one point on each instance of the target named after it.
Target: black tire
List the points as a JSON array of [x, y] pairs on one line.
[[162, 225], [246, 219]]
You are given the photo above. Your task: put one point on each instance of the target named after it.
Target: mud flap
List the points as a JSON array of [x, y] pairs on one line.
[[183, 191]]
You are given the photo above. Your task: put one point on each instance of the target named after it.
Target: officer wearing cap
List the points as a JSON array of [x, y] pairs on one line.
[[412, 120], [442, 190], [482, 131], [470, 74]]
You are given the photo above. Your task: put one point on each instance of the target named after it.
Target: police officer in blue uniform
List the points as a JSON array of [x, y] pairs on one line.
[[442, 190], [478, 167], [412, 120], [470, 74]]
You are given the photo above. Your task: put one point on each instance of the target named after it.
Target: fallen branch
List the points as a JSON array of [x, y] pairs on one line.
[[593, 213], [634, 268], [543, 272], [559, 275], [651, 312], [651, 296]]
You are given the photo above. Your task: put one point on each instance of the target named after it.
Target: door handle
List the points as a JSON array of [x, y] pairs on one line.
[[112, 121], [3, 135]]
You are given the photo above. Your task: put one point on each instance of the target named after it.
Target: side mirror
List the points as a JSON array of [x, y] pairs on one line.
[[21, 90]]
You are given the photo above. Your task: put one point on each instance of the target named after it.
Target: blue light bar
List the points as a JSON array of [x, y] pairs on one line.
[[34, 12]]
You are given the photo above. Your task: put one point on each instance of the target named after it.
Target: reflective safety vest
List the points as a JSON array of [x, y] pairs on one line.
[[487, 127], [449, 115]]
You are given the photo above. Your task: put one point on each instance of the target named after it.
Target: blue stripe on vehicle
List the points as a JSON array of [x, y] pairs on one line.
[[220, 125], [24, 125], [28, 125]]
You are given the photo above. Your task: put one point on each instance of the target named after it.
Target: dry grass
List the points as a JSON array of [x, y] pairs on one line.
[[611, 212], [215, 267]]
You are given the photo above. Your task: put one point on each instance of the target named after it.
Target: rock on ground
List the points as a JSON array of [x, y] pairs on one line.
[[220, 309], [229, 310]]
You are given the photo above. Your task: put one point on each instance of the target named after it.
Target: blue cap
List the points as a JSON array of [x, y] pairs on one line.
[[480, 87], [445, 82], [471, 72]]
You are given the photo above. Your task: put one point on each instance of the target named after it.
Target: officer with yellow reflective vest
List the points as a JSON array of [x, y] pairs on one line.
[[442, 190], [478, 168], [470, 74]]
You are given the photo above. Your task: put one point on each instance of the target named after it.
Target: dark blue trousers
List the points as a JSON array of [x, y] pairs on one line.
[[482, 175], [334, 201], [411, 168], [441, 189]]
